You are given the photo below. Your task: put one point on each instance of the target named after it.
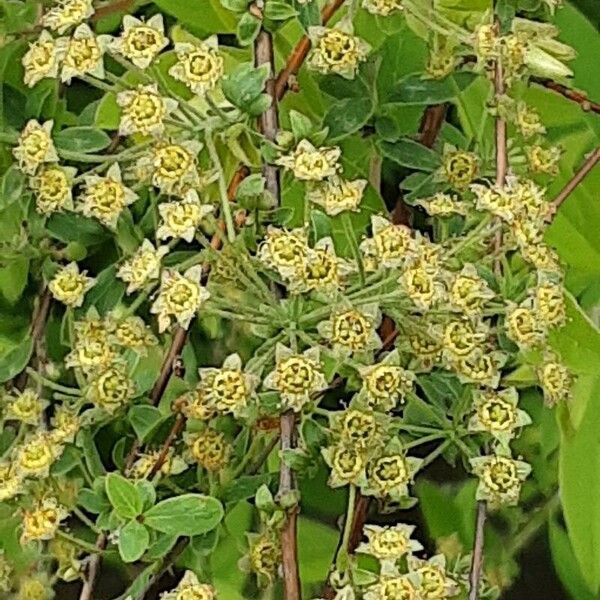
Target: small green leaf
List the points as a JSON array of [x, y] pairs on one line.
[[247, 29], [347, 116], [412, 89], [279, 11], [236, 6], [124, 496], [92, 501], [13, 278], [16, 359], [189, 514], [81, 139], [133, 541], [107, 292], [144, 419], [69, 227], [11, 189], [409, 153]]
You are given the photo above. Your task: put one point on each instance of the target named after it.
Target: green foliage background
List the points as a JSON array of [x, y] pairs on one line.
[[445, 508]]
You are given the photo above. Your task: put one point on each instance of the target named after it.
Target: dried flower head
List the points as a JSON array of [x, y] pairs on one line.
[[390, 244], [459, 168], [26, 407], [556, 380]]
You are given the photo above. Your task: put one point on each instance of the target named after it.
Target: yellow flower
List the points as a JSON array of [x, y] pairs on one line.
[[227, 389], [143, 110], [311, 164], [265, 556], [485, 42], [392, 587], [337, 195], [351, 330], [35, 147], [434, 583], [390, 244], [513, 50], [336, 50], [523, 326], [111, 388], [469, 292], [500, 478], [11, 482], [321, 271], [41, 60], [481, 367], [495, 201], [182, 219], [67, 14], [555, 379], [528, 121], [66, 424], [35, 587], [141, 41], [459, 168], [42, 522], [209, 448], [26, 407], [420, 285], [134, 334], [142, 267], [549, 303], [386, 383], [190, 588], [543, 160], [104, 198], [194, 405], [497, 413], [389, 475], [541, 256], [347, 465], [83, 54], [461, 337], [179, 298], [35, 456], [200, 66], [389, 543], [5, 574], [296, 376], [443, 205], [52, 189], [92, 348], [425, 347], [361, 429], [282, 250], [69, 286], [171, 465], [172, 167], [382, 7]]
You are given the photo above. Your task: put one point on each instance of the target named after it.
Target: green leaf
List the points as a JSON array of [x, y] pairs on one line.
[[92, 501], [133, 541], [347, 116], [409, 153], [566, 564], [278, 11], [12, 187], [413, 89], [13, 278], [247, 29], [144, 419], [188, 514], [124, 496], [108, 112], [69, 227], [85, 440], [107, 292], [245, 84], [245, 487], [81, 139], [16, 359], [206, 17]]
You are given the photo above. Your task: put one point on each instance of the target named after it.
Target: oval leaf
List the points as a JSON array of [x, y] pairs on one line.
[[124, 496], [409, 153], [189, 514], [81, 139], [133, 541]]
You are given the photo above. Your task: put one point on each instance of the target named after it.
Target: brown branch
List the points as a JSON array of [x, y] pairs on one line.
[[570, 94], [579, 176], [36, 331], [176, 429], [300, 52], [111, 9], [87, 591], [477, 557]]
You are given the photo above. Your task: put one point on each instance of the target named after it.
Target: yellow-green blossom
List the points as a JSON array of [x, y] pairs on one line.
[[69, 286], [140, 42], [35, 456], [523, 325], [311, 164], [434, 583], [179, 298], [347, 464], [555, 379], [382, 7], [52, 188], [389, 475], [190, 588], [11, 481], [42, 60], [390, 245], [111, 388], [25, 406], [283, 250], [459, 168], [83, 54], [66, 14], [543, 160], [142, 267], [35, 147], [209, 448], [443, 205], [389, 543], [337, 195], [43, 520], [181, 219], [143, 110], [134, 334], [468, 291], [200, 65]]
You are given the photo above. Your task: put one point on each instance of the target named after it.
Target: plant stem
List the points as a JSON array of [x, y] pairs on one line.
[[73, 392], [87, 546], [341, 560], [353, 241], [225, 206]]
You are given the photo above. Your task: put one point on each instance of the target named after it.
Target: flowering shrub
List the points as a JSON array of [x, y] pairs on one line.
[[281, 281]]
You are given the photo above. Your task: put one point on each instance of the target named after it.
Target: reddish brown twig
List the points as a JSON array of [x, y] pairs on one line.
[[477, 557], [570, 94], [89, 583], [300, 52], [111, 9], [36, 331], [176, 429], [590, 162]]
